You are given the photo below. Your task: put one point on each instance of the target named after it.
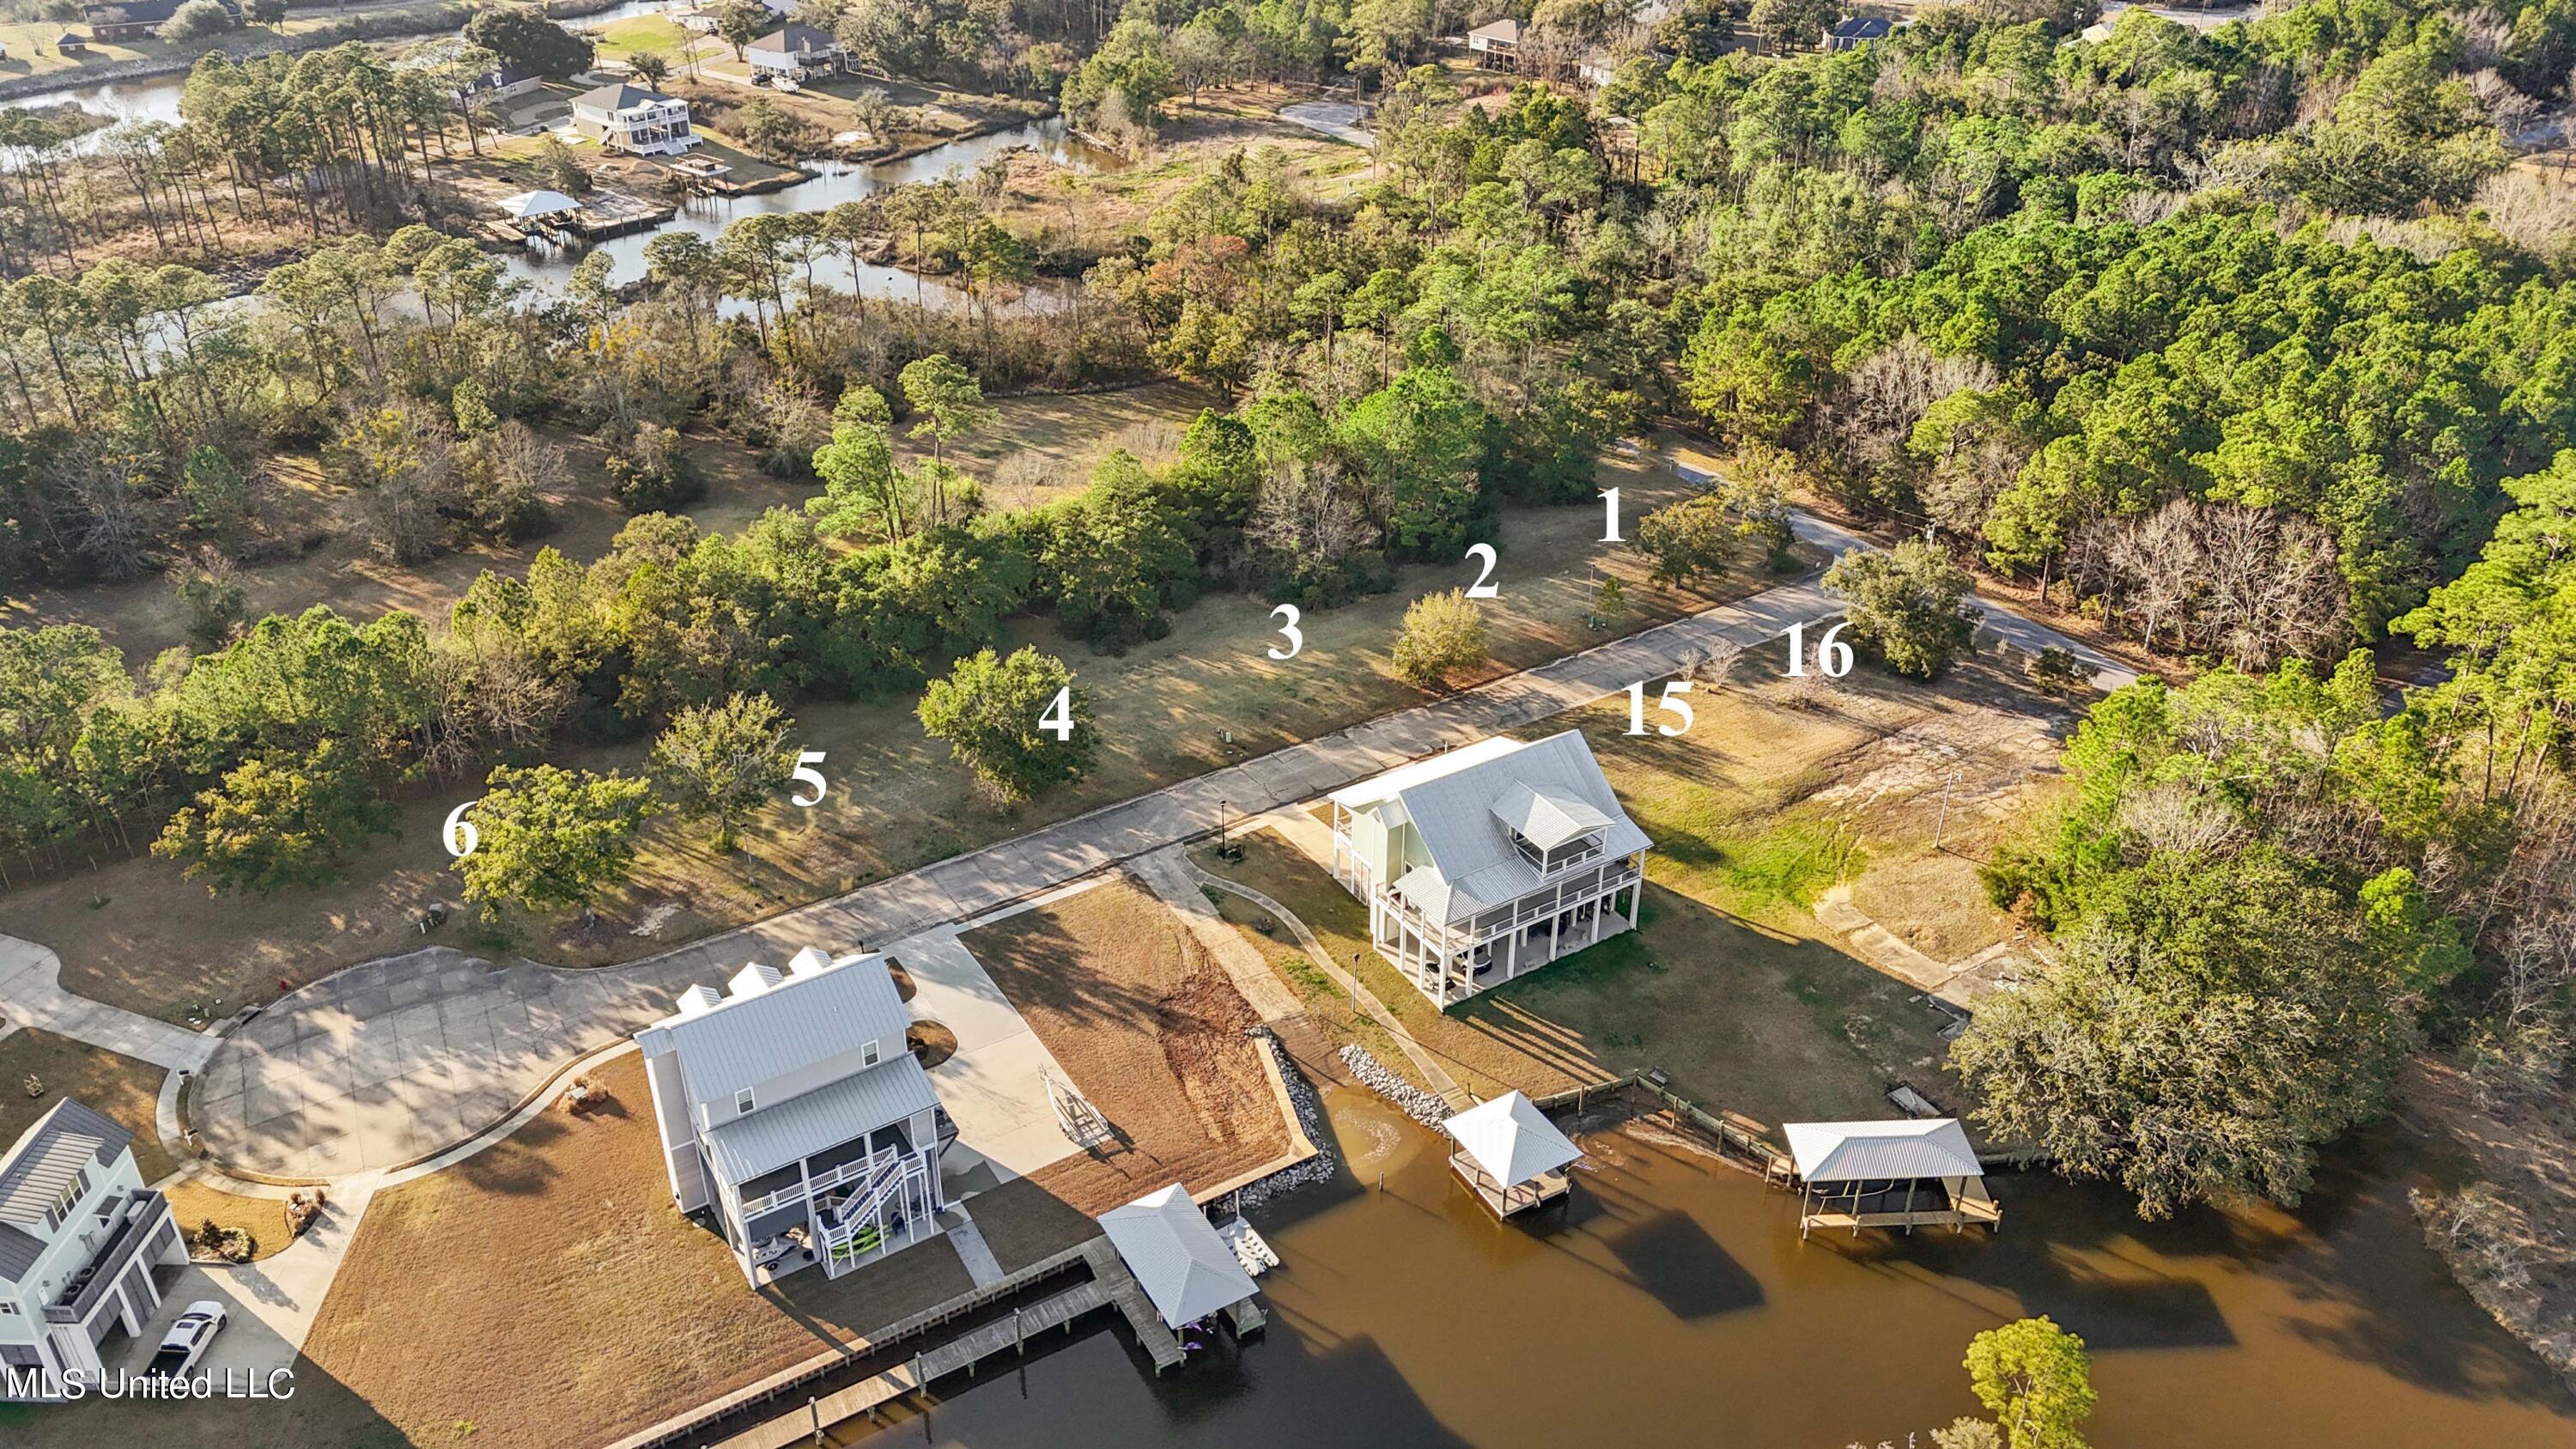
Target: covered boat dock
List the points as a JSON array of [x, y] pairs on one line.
[[1512, 1156], [1904, 1174]]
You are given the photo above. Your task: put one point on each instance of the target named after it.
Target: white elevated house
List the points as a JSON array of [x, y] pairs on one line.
[[1491, 860], [1497, 45], [793, 51], [629, 118], [86, 1250], [1896, 1174], [794, 1114]]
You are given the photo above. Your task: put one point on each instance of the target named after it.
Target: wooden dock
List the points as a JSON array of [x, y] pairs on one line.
[[1112, 1286]]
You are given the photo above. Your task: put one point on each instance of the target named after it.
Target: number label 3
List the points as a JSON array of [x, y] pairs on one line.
[[1288, 626]]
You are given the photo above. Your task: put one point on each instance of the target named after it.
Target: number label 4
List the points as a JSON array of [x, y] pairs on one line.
[[1057, 718]]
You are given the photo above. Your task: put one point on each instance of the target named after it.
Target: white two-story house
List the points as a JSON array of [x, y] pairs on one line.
[[1491, 860], [634, 120], [81, 1239], [794, 1114]]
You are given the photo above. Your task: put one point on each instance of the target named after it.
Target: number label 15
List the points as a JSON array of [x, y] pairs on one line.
[[1671, 703]]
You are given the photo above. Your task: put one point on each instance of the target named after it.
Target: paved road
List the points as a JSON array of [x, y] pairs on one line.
[[394, 1059], [31, 994]]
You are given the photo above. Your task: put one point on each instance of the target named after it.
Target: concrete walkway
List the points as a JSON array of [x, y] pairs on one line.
[[31, 994], [394, 1059]]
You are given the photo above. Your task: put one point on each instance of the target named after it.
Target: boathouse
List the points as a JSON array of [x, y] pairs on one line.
[[1180, 1262], [1488, 861], [1511, 1154], [1903, 1174]]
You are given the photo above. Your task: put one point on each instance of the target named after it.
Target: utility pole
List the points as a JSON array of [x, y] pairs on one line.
[[1942, 829]]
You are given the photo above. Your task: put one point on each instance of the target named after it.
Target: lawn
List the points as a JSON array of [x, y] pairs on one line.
[[134, 933], [620, 1311], [1147, 1026], [621, 40], [1731, 986], [126, 1092]]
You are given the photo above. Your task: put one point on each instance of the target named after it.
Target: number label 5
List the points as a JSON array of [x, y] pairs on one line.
[[806, 774], [1288, 626]]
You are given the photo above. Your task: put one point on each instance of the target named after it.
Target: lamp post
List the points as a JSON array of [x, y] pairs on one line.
[[1221, 807]]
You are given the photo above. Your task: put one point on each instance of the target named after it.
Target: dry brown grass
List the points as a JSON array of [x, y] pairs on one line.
[[1149, 1028], [546, 1291]]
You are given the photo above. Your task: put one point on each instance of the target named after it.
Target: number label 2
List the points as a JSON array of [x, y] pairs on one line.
[[1288, 626], [1671, 703], [1057, 718], [1483, 587]]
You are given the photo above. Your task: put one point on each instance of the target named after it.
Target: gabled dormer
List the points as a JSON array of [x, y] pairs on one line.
[[1552, 829]]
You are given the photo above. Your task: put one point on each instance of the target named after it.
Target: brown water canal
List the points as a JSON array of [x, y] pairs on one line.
[[1672, 1303]]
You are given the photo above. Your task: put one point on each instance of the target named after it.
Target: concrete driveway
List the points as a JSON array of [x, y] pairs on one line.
[[994, 1087]]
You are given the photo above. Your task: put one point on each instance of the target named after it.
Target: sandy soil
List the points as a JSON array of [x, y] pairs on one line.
[[1149, 1029], [621, 1311]]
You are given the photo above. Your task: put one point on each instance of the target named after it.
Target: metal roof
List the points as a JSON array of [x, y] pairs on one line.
[[1859, 1151], [1404, 777], [1511, 1139], [49, 1154], [799, 38], [1456, 816], [1506, 30], [776, 1135], [1547, 816], [1176, 1256], [750, 1038], [619, 96]]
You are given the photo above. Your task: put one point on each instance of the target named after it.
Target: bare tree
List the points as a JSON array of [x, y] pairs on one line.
[[2273, 589]]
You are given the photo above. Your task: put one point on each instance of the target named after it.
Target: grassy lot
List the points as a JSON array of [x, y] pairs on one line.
[[1150, 1029], [620, 1310], [127, 1092], [136, 934], [1731, 985], [620, 40]]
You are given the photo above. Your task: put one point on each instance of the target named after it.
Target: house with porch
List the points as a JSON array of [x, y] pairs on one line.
[[794, 1115], [1488, 861], [1496, 46], [629, 118], [86, 1251], [793, 51]]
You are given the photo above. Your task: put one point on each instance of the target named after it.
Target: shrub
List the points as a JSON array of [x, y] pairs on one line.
[[1443, 635], [196, 20], [651, 472]]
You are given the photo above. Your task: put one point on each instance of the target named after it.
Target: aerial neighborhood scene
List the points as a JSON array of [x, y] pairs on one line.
[[766, 723]]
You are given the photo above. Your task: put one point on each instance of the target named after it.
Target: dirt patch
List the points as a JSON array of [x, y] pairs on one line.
[[1023, 1223], [624, 1311], [1149, 1028], [931, 1042]]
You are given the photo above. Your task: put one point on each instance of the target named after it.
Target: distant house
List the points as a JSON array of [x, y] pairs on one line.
[[2095, 33], [793, 51], [1496, 46], [139, 19], [86, 1250], [794, 1115], [629, 118], [1488, 861], [1855, 31], [496, 85], [70, 44]]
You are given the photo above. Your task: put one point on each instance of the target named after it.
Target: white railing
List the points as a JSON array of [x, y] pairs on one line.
[[1528, 911], [795, 1192]]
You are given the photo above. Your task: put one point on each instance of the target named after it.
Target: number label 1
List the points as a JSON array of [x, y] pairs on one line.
[[1057, 717], [1671, 703], [459, 832], [1610, 525], [806, 774], [1296, 640], [1483, 587], [1833, 657]]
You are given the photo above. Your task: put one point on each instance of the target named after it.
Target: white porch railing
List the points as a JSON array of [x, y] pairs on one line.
[[858, 1170]]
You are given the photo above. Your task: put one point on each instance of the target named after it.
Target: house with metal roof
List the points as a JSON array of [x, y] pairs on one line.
[[793, 51], [629, 118], [1898, 1174], [1491, 860], [794, 1115], [86, 1250]]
